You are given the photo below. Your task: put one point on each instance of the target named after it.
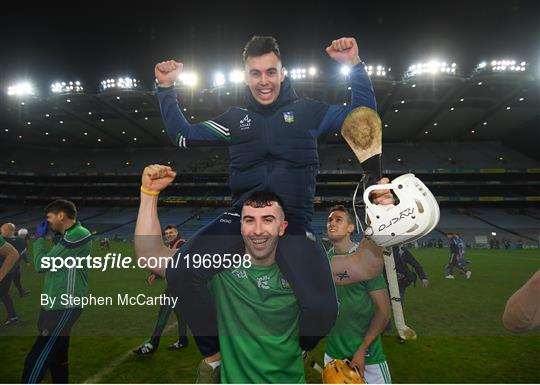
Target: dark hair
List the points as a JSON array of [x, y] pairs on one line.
[[344, 210], [62, 205], [260, 199], [260, 45], [168, 227]]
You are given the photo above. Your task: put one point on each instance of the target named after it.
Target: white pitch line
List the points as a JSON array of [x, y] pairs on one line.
[[96, 378]]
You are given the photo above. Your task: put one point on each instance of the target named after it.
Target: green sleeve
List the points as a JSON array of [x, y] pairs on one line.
[[2, 241], [39, 253], [376, 283]]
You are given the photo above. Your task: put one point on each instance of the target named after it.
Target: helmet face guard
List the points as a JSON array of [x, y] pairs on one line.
[[416, 214], [341, 372]]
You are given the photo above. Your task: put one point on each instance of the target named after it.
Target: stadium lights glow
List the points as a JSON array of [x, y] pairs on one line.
[[432, 67], [236, 76], [67, 87], [21, 89], [378, 71], [189, 79], [219, 79], [298, 73], [507, 65], [120, 83], [345, 70], [302, 73]]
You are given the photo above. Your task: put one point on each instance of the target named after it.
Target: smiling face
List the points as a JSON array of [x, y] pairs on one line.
[[261, 228], [171, 234], [338, 226], [263, 76]]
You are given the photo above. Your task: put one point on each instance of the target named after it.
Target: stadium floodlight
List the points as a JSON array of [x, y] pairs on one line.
[[376, 71], [67, 87], [21, 89], [125, 83], [236, 76], [219, 79], [433, 67], [298, 73], [345, 70], [506, 65], [189, 79], [312, 71]]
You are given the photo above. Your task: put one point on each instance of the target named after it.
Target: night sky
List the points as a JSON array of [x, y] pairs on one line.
[[91, 41]]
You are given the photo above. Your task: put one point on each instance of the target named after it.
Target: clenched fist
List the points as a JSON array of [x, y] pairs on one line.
[[167, 72], [344, 51], [156, 177]]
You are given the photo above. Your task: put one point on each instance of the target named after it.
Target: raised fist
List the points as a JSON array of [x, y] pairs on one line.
[[156, 177], [344, 51], [167, 72]]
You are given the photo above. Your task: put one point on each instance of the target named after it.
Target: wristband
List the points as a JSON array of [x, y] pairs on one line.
[[149, 192]]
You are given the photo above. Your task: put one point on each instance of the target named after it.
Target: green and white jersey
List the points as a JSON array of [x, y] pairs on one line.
[[76, 242], [356, 309], [258, 326]]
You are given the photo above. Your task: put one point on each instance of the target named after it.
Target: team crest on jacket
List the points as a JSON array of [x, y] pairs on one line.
[[245, 123], [288, 116]]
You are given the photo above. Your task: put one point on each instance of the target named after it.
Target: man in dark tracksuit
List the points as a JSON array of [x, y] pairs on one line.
[[402, 258], [272, 146], [174, 241], [8, 232]]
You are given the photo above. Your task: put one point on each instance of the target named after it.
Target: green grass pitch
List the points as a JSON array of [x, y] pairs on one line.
[[460, 335]]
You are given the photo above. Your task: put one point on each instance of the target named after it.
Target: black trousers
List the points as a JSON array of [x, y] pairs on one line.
[[50, 350], [17, 279], [301, 259], [163, 316], [5, 297]]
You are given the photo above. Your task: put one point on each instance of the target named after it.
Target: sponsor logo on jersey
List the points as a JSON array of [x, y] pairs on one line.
[[240, 274], [284, 283], [288, 116], [245, 124], [262, 282]]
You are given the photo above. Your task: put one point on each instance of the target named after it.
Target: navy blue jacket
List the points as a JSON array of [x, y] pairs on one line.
[[271, 147]]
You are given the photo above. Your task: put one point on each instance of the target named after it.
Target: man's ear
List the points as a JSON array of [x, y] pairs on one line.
[[350, 228], [282, 228], [282, 74]]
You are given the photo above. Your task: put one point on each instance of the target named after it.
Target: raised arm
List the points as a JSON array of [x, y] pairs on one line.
[[362, 265], [148, 240], [345, 51], [182, 133]]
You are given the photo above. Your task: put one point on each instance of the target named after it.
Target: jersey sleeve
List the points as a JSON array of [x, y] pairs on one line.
[[184, 134], [362, 95], [376, 283]]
